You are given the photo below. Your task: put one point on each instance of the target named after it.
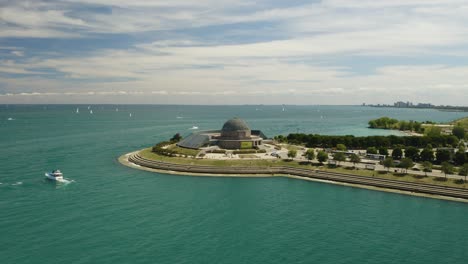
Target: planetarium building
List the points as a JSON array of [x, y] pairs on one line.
[[235, 134]]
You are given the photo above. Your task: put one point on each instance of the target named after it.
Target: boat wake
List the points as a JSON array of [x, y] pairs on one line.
[[64, 181]]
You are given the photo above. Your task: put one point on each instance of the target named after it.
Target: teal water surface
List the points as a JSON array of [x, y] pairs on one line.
[[114, 214]]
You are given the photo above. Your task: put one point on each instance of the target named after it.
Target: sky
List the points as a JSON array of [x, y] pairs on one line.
[[234, 51]]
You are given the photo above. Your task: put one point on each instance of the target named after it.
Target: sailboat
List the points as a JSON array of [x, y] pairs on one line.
[[77, 110], [91, 111], [283, 108], [130, 115]]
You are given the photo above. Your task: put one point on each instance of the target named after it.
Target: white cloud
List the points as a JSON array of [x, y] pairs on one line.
[[288, 59]]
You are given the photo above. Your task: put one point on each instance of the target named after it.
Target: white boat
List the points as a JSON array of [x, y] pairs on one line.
[[194, 127], [77, 110], [91, 111], [55, 175]]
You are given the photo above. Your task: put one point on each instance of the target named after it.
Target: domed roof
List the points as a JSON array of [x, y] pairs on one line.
[[235, 124]]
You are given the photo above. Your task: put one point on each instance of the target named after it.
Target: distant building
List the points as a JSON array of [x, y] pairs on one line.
[[235, 134]]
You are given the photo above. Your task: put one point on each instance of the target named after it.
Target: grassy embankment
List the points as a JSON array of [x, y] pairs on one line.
[[463, 122], [146, 153], [183, 151]]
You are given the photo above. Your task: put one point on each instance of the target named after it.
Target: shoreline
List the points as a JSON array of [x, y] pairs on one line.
[[124, 160]]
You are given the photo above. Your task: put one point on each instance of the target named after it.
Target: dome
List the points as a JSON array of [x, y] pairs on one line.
[[235, 124]]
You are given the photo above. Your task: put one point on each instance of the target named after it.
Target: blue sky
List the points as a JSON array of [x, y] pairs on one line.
[[234, 51]]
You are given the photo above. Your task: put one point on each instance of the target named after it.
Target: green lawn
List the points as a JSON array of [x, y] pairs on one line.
[[183, 151], [462, 122], [146, 153]]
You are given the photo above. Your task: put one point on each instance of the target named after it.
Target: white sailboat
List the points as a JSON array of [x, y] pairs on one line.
[[91, 111], [77, 110]]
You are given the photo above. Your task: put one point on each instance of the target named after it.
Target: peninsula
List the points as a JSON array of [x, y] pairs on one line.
[[236, 150]]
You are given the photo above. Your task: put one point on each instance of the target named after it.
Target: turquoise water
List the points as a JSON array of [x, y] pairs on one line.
[[114, 214]]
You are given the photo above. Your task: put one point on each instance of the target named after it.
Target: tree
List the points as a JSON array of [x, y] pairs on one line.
[[397, 153], [412, 153], [371, 150], [388, 163], [459, 132], [176, 138], [354, 158], [292, 153], [427, 154], [406, 163], [442, 155], [434, 131], [310, 154], [383, 151], [340, 147], [427, 167], [463, 171], [322, 156], [446, 168], [460, 158], [339, 156]]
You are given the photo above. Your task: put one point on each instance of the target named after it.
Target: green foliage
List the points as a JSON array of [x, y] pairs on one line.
[[460, 158], [447, 168], [340, 147], [176, 138], [391, 123], [310, 154], [371, 150], [383, 122], [352, 142], [427, 167], [388, 163], [248, 151], [218, 151], [383, 151], [354, 158], [433, 131], [292, 153], [158, 148], [339, 156], [406, 163], [459, 132], [412, 153], [442, 155], [281, 139], [427, 154], [397, 153], [463, 171], [322, 156]]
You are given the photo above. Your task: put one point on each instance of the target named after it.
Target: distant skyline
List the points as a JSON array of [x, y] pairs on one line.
[[234, 52]]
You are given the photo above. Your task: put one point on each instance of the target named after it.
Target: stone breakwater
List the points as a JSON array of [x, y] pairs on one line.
[[407, 187]]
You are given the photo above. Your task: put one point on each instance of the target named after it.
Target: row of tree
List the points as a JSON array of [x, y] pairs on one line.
[[404, 163], [391, 123], [326, 141]]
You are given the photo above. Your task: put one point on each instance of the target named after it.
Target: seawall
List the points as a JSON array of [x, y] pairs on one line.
[[132, 159]]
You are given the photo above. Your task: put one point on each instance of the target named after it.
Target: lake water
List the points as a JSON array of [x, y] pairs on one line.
[[114, 214]]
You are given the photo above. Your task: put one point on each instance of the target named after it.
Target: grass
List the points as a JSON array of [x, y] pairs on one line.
[[183, 151], [247, 156], [461, 122], [146, 153], [292, 147]]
